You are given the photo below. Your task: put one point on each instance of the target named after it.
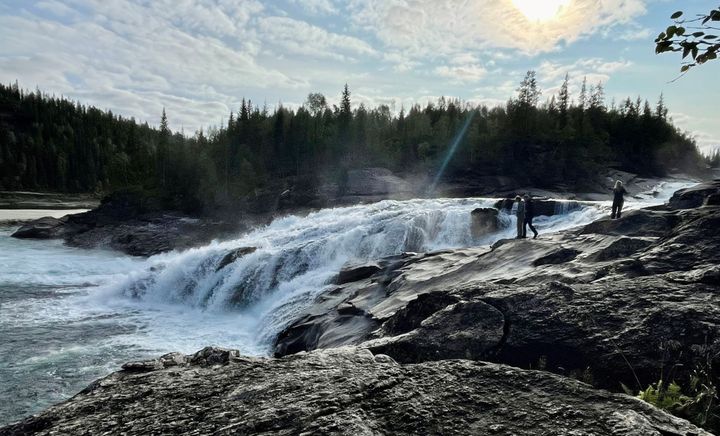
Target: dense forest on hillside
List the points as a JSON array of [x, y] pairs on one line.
[[50, 143]]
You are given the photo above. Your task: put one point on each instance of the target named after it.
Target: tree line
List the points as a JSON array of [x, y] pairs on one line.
[[50, 143]]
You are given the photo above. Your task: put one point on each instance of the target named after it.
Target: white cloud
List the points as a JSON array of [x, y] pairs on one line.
[[141, 60], [462, 73], [299, 37], [707, 142], [56, 8], [447, 27], [317, 7], [595, 70]]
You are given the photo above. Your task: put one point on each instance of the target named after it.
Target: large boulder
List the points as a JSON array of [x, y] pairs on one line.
[[41, 228], [695, 196], [463, 330], [348, 391], [483, 221]]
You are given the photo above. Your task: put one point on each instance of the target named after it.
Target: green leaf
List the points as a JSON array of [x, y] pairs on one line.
[[694, 52], [676, 15], [680, 31], [710, 36], [684, 68], [698, 34]]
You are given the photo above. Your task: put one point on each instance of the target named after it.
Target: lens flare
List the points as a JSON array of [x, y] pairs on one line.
[[451, 152], [544, 10]]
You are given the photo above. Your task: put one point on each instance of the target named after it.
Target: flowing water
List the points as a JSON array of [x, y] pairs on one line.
[[69, 316]]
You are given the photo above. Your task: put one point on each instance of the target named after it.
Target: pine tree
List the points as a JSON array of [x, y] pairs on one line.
[[583, 94], [564, 102], [345, 102], [344, 118], [163, 147], [597, 97], [528, 92], [661, 111], [244, 111]]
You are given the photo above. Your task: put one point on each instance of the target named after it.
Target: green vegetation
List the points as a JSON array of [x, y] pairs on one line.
[[697, 407], [696, 398], [691, 37], [49, 143]]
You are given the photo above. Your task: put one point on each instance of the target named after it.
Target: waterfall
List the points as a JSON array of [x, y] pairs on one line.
[[564, 207], [271, 274]]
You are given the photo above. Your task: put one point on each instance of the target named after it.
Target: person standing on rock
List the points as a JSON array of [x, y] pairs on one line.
[[520, 214], [618, 200], [529, 215]]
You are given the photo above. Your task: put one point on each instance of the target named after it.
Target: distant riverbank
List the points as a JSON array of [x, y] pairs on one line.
[[10, 217], [46, 200]]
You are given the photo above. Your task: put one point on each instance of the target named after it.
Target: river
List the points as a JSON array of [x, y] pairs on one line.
[[69, 316]]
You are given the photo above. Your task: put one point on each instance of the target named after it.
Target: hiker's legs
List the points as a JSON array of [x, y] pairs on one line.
[[520, 225], [528, 222], [619, 209]]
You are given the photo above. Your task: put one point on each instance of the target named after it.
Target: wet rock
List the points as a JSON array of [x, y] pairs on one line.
[[353, 273], [712, 200], [234, 255], [695, 196], [41, 228], [563, 255], [303, 335], [464, 330], [484, 220], [348, 391], [210, 356], [422, 307], [142, 366], [173, 359], [636, 223], [623, 247]]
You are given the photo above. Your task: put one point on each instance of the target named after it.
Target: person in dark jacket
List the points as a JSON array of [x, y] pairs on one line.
[[618, 200], [529, 215], [520, 214]]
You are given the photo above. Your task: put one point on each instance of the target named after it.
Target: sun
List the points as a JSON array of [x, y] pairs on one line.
[[540, 10]]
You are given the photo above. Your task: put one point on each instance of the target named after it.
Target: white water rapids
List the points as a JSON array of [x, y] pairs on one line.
[[68, 316]]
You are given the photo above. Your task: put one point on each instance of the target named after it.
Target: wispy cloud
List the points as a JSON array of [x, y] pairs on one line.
[[198, 58], [446, 27]]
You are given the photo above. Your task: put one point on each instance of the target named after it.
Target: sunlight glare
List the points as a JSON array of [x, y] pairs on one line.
[[540, 10]]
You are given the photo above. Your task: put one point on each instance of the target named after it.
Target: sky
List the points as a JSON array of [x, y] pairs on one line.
[[199, 58]]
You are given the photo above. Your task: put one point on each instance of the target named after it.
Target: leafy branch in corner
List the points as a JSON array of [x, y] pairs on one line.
[[691, 37]]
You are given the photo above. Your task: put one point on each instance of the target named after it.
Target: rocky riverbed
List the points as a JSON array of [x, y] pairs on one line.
[[404, 345]]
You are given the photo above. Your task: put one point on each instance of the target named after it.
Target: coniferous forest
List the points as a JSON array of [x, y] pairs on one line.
[[53, 144]]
